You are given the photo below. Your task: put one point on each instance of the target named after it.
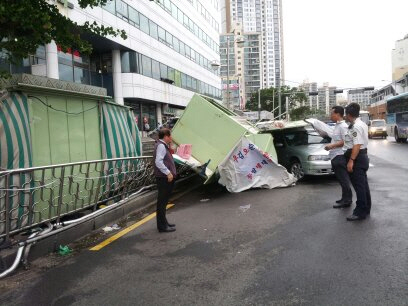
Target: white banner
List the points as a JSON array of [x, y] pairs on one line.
[[248, 167], [322, 128]]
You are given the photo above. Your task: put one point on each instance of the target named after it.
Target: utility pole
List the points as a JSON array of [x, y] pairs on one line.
[[279, 100], [228, 86], [287, 108], [259, 104]]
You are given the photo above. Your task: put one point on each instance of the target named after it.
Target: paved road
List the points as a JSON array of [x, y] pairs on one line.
[[289, 247]]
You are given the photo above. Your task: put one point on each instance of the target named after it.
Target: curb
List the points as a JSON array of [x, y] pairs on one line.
[[144, 203]]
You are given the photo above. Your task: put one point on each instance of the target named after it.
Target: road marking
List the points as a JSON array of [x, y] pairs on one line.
[[125, 231]]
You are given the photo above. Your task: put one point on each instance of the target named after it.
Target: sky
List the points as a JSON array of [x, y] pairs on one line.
[[347, 43]]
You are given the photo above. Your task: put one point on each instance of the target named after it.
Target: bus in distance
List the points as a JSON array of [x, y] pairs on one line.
[[397, 117]]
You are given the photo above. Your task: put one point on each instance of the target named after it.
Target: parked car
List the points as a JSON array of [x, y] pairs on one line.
[[301, 151], [377, 127]]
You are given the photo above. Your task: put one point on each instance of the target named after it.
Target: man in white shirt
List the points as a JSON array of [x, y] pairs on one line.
[[338, 161], [356, 143]]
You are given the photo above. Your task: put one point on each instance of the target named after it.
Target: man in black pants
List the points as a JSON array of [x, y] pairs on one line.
[[165, 172], [338, 161], [356, 142]]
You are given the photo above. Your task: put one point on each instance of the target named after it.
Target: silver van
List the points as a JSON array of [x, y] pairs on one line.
[[301, 150]]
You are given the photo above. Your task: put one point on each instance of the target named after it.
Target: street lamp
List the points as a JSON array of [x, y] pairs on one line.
[[215, 65]]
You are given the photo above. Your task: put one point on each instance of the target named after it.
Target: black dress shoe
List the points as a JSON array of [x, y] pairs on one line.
[[353, 218], [168, 229], [339, 201], [342, 205], [171, 225]]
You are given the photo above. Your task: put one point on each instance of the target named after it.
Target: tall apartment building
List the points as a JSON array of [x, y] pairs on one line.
[[308, 87], [361, 97], [245, 66], [400, 59], [264, 17], [165, 59]]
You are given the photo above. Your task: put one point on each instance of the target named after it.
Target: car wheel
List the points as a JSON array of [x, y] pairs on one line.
[[397, 139], [296, 169]]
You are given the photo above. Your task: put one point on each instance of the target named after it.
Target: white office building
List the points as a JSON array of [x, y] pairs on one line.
[[264, 17], [165, 59], [360, 96]]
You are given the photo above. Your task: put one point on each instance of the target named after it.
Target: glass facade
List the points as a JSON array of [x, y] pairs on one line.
[[144, 112], [94, 70], [24, 66], [134, 62], [132, 16], [190, 25]]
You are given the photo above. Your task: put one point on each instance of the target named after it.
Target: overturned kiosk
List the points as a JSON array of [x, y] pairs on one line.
[[226, 147]]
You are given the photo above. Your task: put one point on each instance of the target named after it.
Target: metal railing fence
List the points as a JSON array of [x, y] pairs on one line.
[[32, 196]]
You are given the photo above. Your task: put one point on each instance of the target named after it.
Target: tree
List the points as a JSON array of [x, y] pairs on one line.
[[305, 112], [27, 24], [300, 113], [270, 98]]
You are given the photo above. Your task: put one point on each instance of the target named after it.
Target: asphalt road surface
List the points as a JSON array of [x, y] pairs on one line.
[[261, 247]]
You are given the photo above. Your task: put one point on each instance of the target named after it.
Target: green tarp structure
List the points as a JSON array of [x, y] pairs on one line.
[[25, 124]]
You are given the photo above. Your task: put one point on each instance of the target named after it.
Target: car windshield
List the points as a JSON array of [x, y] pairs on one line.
[[304, 137], [377, 123]]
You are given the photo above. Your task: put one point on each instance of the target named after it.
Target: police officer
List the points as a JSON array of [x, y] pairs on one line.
[[356, 142], [338, 161]]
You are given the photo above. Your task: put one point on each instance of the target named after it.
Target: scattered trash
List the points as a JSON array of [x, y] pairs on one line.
[[244, 208], [64, 250], [111, 228], [239, 252], [205, 229], [204, 200], [107, 229]]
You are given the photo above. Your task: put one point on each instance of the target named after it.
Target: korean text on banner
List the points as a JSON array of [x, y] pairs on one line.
[[248, 167]]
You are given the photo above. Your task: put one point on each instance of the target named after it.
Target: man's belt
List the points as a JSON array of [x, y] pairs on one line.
[[363, 151]]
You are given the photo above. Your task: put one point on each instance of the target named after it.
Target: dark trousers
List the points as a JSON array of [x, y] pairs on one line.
[[359, 180], [164, 189], [339, 165]]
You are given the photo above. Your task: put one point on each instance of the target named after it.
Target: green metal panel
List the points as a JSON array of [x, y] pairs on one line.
[[76, 131], [40, 132], [211, 131], [92, 131], [58, 130], [59, 137]]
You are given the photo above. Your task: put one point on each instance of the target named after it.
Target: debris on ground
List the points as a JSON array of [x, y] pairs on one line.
[[244, 208], [64, 250], [111, 228]]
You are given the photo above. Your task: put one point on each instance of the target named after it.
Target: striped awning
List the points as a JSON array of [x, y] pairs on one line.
[[15, 152], [120, 135], [15, 137]]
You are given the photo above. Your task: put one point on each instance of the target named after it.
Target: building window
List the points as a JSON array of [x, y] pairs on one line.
[[163, 71], [155, 70], [144, 24], [146, 66], [134, 17], [65, 72], [153, 29]]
